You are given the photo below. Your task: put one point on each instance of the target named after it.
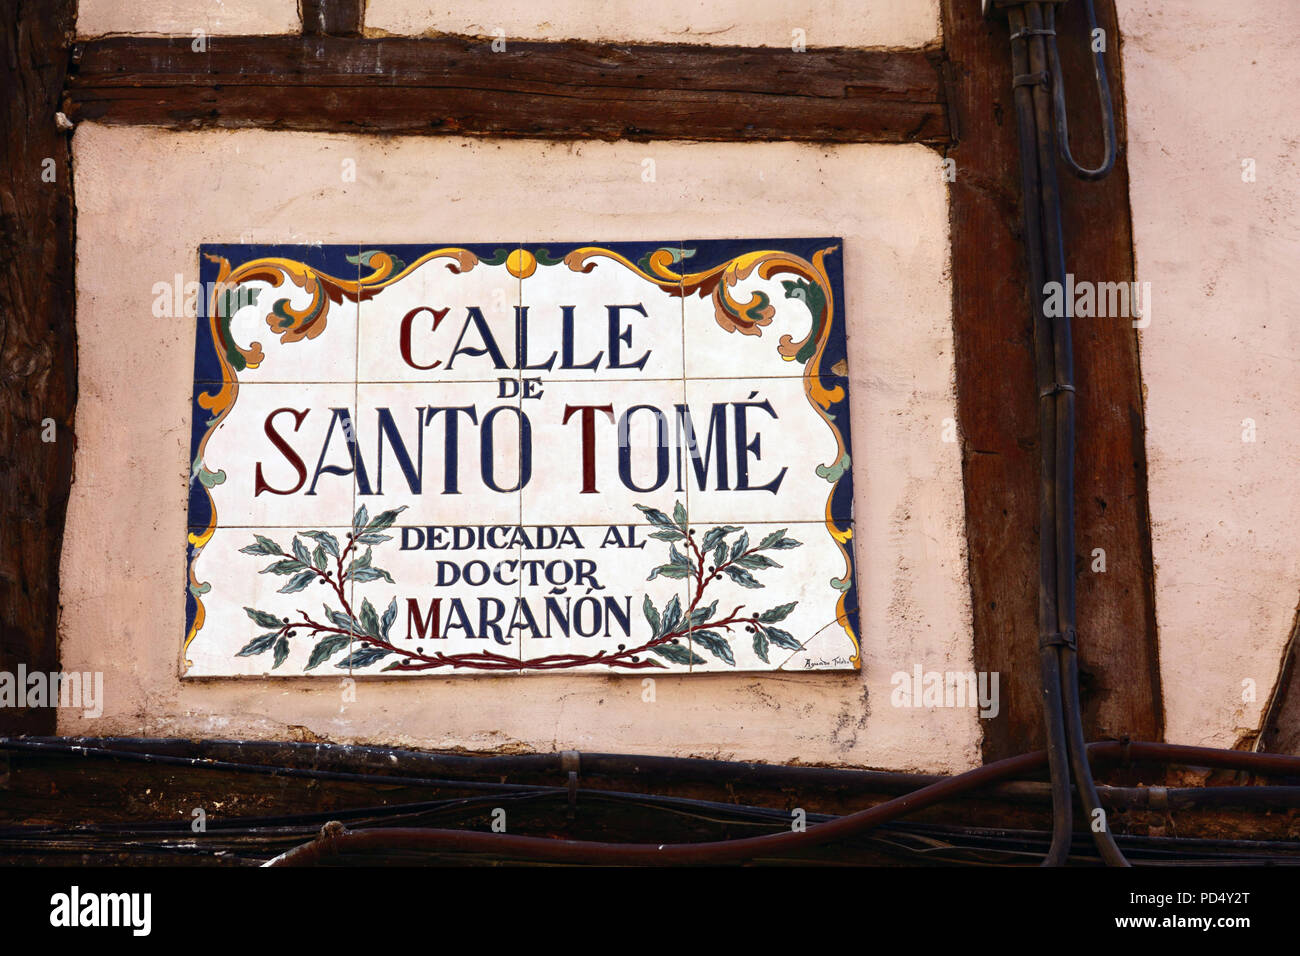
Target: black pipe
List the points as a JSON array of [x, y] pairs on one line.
[[1109, 139], [1063, 394], [334, 839], [1049, 659], [415, 768], [398, 765], [1038, 91]]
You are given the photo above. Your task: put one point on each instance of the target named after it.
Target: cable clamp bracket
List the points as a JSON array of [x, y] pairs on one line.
[[1067, 638], [1032, 32], [1041, 78]]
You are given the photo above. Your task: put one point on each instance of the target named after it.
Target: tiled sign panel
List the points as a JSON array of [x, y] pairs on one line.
[[521, 459]]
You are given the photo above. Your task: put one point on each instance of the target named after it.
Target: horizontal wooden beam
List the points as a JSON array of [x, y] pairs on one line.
[[459, 85]]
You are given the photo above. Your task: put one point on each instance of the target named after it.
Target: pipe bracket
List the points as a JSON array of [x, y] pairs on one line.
[[1041, 78], [1067, 638]]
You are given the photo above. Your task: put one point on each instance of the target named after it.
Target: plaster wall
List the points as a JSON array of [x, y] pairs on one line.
[[146, 198], [183, 17], [755, 23], [1209, 87], [728, 22]]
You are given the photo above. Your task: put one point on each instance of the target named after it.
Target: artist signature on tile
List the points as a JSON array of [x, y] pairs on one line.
[[812, 664]]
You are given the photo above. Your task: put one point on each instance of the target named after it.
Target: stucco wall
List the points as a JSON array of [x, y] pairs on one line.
[[147, 198], [1210, 85], [183, 17], [753, 23], [743, 22]]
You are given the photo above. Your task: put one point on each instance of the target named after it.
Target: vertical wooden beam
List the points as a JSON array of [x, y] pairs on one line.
[[997, 404], [332, 18], [38, 366], [995, 373], [1119, 666], [1279, 727]]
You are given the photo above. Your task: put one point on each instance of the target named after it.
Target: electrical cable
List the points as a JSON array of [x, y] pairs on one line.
[[1036, 71], [1109, 139], [334, 839], [235, 836], [1049, 659]]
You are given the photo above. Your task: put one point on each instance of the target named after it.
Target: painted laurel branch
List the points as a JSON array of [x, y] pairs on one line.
[[706, 562], [367, 635], [304, 567]]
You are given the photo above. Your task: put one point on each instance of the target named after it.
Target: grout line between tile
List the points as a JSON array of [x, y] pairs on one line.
[[519, 495], [356, 411], [687, 465]]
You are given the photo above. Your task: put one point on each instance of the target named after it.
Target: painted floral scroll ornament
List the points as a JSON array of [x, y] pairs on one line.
[[367, 635], [293, 325]]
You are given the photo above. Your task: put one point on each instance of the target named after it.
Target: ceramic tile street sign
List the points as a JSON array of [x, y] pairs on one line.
[[515, 459]]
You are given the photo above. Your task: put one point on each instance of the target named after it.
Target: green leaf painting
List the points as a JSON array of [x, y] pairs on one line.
[[690, 629]]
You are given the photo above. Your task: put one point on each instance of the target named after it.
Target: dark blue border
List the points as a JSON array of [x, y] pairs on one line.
[[703, 254], [330, 259]]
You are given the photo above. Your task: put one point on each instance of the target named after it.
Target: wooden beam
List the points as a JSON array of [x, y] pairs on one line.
[[993, 346], [553, 90], [101, 793], [1279, 727], [38, 377], [1120, 676], [332, 18], [1118, 647]]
